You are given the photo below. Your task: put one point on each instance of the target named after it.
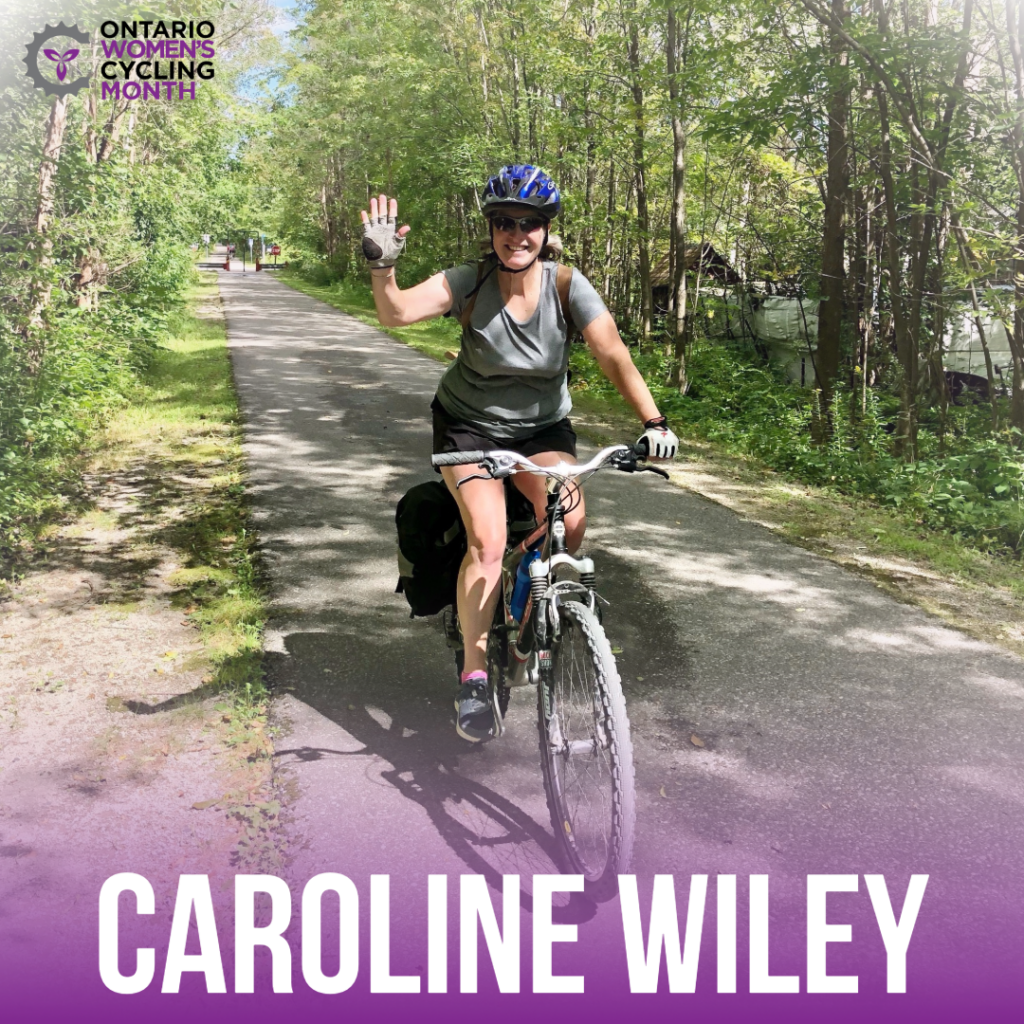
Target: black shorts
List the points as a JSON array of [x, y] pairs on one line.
[[451, 435]]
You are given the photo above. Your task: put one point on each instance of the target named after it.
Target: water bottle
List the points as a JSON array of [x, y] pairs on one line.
[[522, 586]]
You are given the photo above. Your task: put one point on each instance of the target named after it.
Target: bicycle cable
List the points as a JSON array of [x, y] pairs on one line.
[[573, 497]]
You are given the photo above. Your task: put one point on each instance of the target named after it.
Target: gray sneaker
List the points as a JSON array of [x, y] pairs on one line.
[[476, 720]]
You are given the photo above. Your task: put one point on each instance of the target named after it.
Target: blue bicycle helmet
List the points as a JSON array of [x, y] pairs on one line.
[[521, 185]]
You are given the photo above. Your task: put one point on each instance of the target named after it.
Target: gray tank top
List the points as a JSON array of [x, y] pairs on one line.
[[509, 377]]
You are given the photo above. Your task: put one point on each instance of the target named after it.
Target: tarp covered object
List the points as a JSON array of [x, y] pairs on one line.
[[778, 320], [963, 350]]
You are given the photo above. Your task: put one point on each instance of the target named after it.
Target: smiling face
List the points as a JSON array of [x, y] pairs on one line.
[[517, 248]]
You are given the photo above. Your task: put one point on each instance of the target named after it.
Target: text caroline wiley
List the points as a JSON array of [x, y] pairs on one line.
[[329, 926]]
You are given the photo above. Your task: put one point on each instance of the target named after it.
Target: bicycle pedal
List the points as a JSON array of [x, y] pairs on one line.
[[451, 629]]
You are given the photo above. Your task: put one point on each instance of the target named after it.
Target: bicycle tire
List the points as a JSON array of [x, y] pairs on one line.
[[590, 787]]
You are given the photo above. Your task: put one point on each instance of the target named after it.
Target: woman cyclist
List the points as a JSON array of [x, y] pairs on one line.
[[507, 388]]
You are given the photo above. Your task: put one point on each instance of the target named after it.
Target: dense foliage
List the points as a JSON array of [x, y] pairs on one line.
[[101, 205], [965, 481]]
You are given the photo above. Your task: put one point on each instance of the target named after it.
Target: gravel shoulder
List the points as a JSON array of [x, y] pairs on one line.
[[122, 746], [103, 752]]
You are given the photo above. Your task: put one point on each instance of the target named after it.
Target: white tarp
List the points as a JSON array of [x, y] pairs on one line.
[[791, 322], [788, 328], [963, 350]]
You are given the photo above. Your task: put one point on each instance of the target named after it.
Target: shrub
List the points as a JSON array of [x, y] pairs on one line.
[[967, 482]]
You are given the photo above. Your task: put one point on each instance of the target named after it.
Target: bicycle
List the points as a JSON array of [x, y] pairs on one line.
[[559, 645]]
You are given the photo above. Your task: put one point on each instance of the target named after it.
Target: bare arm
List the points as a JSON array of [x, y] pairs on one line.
[[602, 336], [397, 307]]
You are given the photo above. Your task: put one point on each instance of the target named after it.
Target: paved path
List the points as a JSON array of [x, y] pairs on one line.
[[842, 732]]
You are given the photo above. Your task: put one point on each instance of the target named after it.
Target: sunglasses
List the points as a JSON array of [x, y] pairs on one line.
[[525, 224]]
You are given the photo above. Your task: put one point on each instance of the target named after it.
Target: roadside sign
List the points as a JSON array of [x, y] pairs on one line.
[[275, 250]]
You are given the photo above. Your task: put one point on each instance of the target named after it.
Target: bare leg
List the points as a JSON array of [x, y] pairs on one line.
[[482, 504], [533, 487]]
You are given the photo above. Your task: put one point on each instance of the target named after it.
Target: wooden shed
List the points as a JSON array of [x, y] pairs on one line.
[[712, 265]]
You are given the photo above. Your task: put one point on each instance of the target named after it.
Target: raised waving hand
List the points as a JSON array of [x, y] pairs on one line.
[[383, 240]]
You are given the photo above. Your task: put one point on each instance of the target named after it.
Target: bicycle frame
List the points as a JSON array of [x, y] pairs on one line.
[[533, 634]]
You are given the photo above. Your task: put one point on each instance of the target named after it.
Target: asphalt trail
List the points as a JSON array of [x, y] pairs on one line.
[[842, 731]]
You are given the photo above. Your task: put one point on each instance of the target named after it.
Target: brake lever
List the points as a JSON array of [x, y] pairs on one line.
[[653, 469], [627, 462], [494, 470], [475, 476]]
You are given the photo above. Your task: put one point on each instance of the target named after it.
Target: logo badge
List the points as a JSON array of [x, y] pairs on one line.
[[59, 62]]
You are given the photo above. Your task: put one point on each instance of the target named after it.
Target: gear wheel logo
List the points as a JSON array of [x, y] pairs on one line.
[[61, 61]]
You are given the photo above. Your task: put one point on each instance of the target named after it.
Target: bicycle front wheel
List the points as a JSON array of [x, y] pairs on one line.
[[587, 753]]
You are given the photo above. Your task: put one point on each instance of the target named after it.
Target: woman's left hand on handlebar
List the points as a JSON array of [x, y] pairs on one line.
[[659, 441]]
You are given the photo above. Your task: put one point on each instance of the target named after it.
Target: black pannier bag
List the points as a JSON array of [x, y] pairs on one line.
[[431, 546]]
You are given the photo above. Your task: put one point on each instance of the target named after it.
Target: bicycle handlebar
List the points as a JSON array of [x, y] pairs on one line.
[[508, 461], [458, 458], [500, 463]]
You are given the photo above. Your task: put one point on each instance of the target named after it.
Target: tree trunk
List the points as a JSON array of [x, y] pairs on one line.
[[906, 424], [640, 178], [856, 279], [484, 48], [1015, 31], [923, 220], [626, 260], [112, 131], [872, 289], [940, 390], [99, 148], [833, 244], [516, 88], [609, 245], [41, 287], [325, 218], [587, 258], [677, 300]]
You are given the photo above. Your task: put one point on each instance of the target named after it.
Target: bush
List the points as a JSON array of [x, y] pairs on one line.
[[966, 483], [90, 364]]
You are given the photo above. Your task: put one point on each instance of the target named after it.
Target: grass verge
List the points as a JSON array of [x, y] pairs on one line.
[[182, 426], [980, 593]]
